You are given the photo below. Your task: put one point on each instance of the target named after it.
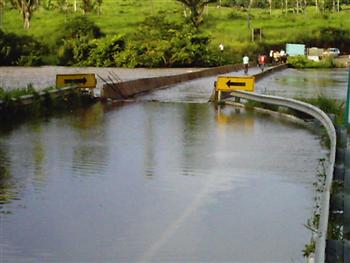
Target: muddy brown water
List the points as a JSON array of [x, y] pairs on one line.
[[166, 178]]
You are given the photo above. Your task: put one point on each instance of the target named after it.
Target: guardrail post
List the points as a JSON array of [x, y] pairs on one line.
[[219, 95]]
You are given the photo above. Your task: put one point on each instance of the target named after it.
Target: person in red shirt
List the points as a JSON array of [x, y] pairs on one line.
[[262, 61]]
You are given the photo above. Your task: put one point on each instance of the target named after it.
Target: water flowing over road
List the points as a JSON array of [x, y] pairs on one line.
[[166, 178]]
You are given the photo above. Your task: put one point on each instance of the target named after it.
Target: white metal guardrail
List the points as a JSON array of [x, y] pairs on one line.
[[327, 123]]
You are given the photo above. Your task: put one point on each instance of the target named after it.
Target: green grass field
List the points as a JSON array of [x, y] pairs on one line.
[[226, 25]]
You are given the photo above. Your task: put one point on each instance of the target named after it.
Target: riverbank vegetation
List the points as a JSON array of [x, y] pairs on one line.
[[20, 104], [302, 62], [17, 93], [134, 33]]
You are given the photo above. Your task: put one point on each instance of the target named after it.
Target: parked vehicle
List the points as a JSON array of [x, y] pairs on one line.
[[332, 52]]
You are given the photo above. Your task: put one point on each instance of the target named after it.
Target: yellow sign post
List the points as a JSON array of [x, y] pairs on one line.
[[87, 81], [227, 83]]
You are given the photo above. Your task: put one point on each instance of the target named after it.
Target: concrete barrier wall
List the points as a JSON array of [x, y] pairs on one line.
[[131, 88], [269, 71]]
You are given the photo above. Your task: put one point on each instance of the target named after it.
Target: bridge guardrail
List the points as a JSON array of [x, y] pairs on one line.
[[328, 124]]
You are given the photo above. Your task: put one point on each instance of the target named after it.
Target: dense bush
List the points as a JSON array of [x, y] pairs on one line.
[[168, 44], [95, 52], [20, 50], [103, 55], [157, 43], [77, 40], [303, 62], [78, 27]]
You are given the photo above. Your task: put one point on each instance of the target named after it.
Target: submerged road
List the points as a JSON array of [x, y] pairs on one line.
[[164, 179]]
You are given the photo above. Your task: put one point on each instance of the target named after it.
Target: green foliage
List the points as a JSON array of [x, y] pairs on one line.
[[16, 93], [236, 15], [225, 25], [309, 248], [168, 44], [197, 8], [85, 52], [303, 62], [87, 6], [19, 50], [328, 105], [158, 42], [103, 54], [77, 41], [79, 27]]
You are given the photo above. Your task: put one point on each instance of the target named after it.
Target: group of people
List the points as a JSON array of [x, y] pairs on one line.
[[278, 56], [274, 57]]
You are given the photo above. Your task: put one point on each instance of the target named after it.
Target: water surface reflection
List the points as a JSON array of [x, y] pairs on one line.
[[157, 182], [309, 83]]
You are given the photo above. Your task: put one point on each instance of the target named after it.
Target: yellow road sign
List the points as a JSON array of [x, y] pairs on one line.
[[227, 83], [87, 81]]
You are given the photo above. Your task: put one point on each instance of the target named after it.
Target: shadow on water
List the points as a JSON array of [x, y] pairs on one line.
[[26, 149], [89, 150], [8, 191], [43, 108]]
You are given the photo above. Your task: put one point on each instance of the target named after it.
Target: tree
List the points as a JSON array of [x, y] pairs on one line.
[[99, 3], [87, 6], [197, 9], [26, 8], [2, 6]]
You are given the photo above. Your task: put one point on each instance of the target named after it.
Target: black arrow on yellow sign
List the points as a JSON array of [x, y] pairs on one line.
[[75, 81], [233, 83]]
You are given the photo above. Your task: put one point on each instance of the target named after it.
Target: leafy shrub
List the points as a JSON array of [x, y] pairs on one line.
[[103, 55], [157, 43], [79, 27], [76, 52], [304, 62], [168, 44], [20, 50]]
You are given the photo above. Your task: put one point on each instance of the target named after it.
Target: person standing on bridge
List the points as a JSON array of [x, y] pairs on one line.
[[262, 61], [246, 64]]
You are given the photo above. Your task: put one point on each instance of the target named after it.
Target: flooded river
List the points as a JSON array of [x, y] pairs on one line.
[[310, 83], [157, 180]]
